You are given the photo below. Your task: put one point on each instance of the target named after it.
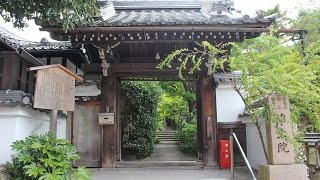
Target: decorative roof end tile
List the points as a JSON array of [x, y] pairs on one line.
[[216, 7], [107, 11]]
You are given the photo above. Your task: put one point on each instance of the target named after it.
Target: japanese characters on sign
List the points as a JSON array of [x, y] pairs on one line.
[[280, 151]]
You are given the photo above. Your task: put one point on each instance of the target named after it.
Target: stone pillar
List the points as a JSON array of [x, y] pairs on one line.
[[280, 151]]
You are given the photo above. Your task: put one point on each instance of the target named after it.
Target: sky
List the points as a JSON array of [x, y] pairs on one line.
[[292, 7]]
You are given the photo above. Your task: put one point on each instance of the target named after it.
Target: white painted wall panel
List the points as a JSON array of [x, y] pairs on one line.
[[229, 104], [18, 122]]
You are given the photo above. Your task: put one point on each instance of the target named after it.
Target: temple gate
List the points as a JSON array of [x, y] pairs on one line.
[[127, 42]]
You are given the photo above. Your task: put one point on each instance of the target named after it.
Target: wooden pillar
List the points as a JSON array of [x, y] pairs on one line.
[[69, 126], [53, 122], [208, 121], [199, 122], [109, 131], [118, 121]]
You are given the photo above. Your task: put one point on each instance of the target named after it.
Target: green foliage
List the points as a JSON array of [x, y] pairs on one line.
[[268, 67], [309, 20], [44, 157], [138, 117], [191, 59], [282, 20], [188, 138], [182, 92], [172, 108], [66, 13]]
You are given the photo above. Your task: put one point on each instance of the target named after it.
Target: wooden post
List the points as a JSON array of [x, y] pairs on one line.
[[109, 131], [69, 126], [53, 122], [208, 121], [118, 121], [199, 122]]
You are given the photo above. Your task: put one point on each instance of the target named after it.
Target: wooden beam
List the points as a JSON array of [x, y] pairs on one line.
[[27, 56], [215, 28], [130, 68]]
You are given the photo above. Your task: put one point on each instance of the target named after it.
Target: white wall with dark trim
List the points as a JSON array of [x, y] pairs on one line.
[[16, 123]]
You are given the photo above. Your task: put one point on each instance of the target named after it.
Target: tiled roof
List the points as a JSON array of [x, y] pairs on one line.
[[146, 13], [12, 98], [16, 42]]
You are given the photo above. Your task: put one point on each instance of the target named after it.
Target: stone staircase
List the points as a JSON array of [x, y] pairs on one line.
[[167, 137]]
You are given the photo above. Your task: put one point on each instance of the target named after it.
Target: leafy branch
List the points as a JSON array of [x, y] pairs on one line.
[[191, 60], [66, 13]]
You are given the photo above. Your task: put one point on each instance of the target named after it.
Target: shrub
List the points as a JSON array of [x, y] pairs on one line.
[[138, 118], [44, 157], [188, 138]]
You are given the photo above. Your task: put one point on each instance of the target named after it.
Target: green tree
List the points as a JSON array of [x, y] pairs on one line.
[[309, 20], [138, 117], [282, 22], [172, 108], [183, 89], [66, 13], [267, 67]]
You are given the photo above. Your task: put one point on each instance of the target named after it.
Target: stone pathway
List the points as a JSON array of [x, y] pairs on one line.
[[167, 149], [168, 152], [158, 174]]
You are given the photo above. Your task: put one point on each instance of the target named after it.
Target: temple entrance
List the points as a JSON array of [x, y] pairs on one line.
[[205, 91], [158, 123], [86, 128]]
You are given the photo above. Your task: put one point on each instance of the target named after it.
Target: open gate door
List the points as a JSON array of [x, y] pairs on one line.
[[86, 133]]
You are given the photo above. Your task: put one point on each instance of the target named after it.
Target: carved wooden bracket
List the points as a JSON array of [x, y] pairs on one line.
[[104, 64], [209, 65]]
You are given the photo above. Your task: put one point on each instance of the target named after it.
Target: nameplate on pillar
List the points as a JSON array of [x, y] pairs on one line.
[[209, 128]]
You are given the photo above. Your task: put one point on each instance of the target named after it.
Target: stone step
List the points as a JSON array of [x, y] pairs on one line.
[[166, 135], [169, 142], [168, 139], [168, 132]]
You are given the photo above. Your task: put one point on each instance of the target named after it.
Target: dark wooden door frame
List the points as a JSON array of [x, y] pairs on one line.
[[207, 119]]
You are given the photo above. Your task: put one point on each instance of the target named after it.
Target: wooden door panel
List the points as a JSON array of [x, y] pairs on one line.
[[87, 136]]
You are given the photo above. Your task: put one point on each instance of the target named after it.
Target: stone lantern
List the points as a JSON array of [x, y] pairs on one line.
[[312, 145]]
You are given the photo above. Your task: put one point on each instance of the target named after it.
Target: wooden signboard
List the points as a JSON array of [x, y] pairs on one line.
[[55, 88]]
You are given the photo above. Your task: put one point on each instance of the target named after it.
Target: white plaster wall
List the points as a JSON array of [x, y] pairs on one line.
[[255, 152], [18, 122], [229, 104]]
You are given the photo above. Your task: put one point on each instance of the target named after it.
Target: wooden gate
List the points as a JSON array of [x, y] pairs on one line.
[[87, 134]]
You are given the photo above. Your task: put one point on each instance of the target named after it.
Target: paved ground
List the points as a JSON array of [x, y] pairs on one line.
[[162, 174], [168, 152], [161, 165]]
